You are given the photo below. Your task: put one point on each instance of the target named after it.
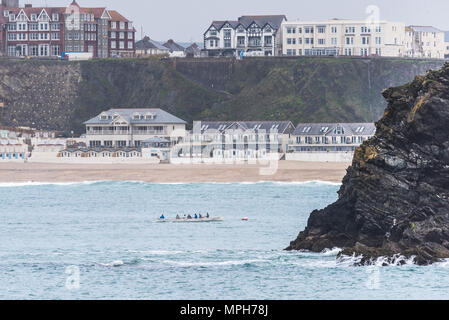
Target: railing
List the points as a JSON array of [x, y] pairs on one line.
[[123, 132]]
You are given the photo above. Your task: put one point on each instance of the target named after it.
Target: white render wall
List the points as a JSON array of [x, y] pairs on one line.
[[320, 156], [391, 34]]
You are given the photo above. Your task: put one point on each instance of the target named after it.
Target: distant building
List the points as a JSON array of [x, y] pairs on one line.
[[328, 142], [235, 140], [425, 42], [50, 31], [343, 38], [172, 46], [193, 51], [446, 43], [121, 128], [261, 35], [149, 47]]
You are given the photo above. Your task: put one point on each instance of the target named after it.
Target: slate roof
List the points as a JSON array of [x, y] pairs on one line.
[[266, 126], [161, 116], [312, 129], [173, 46], [274, 21], [148, 43], [425, 29]]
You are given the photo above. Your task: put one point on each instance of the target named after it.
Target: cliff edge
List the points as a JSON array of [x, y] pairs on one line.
[[395, 196]]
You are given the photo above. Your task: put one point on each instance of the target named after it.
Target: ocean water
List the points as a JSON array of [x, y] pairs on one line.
[[101, 240]]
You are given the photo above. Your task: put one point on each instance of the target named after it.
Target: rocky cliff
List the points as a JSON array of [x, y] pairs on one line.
[[395, 197], [60, 95]]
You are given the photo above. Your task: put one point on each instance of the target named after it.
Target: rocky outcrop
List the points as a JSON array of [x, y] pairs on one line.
[[395, 196]]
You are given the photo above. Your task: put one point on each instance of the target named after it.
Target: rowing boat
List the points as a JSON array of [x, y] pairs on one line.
[[216, 219]]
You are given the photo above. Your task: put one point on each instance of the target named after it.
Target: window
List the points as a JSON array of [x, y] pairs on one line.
[[227, 43], [333, 29], [122, 25], [241, 41], [291, 30], [122, 35], [308, 29], [55, 50], [321, 29], [378, 40], [334, 41], [321, 41], [299, 40], [55, 36], [130, 44], [122, 45], [113, 35], [299, 30], [113, 45], [130, 35], [55, 17], [113, 25]]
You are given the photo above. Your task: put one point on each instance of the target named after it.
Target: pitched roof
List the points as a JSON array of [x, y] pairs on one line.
[[173, 46], [161, 116], [148, 43], [273, 20], [115, 16], [193, 49], [327, 129], [266, 126], [425, 29]]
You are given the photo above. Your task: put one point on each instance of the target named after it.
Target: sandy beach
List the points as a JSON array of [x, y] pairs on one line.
[[288, 171]]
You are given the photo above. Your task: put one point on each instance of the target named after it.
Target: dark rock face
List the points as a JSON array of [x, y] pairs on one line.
[[395, 196]]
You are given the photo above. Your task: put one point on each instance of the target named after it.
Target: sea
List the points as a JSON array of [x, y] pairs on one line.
[[102, 240]]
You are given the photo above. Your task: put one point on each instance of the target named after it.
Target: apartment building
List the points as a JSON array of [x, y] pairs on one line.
[[258, 35], [328, 142], [50, 31], [343, 37], [425, 42], [234, 140], [129, 128]]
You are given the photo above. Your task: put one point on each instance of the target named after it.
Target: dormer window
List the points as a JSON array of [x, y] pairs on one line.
[[150, 116], [33, 17], [339, 130], [6, 13], [12, 17], [104, 117], [55, 17], [137, 116]]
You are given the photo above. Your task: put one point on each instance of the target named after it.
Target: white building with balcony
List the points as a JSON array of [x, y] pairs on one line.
[[249, 35], [231, 141], [328, 142], [343, 38], [425, 42], [121, 128]]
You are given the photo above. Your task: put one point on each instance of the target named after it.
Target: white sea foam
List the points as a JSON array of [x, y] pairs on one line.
[[212, 263], [116, 263], [331, 252], [395, 261], [32, 184]]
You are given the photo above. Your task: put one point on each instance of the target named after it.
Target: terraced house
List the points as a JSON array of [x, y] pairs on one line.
[[259, 35], [235, 140], [328, 142], [50, 31]]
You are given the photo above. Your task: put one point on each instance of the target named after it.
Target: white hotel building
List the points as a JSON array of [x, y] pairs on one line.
[[344, 38]]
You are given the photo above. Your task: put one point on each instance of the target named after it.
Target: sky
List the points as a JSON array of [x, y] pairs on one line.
[[186, 20]]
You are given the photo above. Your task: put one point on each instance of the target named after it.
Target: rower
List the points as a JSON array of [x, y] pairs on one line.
[[189, 217], [207, 215], [201, 217], [196, 216], [178, 217], [162, 217]]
